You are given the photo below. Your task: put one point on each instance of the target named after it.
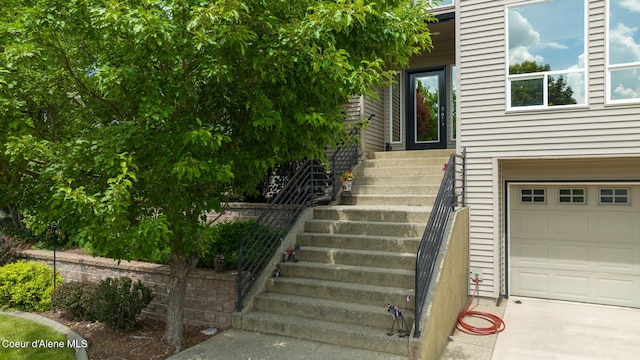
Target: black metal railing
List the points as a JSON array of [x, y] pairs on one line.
[[311, 184], [450, 195]]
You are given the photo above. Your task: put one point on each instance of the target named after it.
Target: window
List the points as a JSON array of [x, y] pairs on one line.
[[454, 123], [572, 196], [546, 62], [529, 196], [443, 3], [623, 51], [395, 110], [614, 196]]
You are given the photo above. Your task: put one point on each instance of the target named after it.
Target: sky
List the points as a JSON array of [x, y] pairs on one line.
[[548, 33], [552, 32], [624, 47]]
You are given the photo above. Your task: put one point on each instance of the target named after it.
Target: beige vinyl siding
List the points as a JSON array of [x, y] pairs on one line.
[[489, 132], [373, 137], [353, 111]]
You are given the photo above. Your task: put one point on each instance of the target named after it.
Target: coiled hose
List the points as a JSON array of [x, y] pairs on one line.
[[497, 325]]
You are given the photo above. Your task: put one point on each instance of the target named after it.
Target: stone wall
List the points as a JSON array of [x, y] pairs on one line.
[[239, 212], [210, 300]]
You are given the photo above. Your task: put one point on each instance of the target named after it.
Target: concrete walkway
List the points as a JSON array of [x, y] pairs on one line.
[[474, 347], [247, 345], [539, 329], [536, 329]]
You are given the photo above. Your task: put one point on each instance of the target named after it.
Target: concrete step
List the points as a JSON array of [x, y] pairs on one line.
[[402, 214], [340, 291], [349, 274], [357, 336], [399, 171], [412, 154], [328, 310], [406, 162], [389, 200], [364, 227], [396, 189], [379, 259], [360, 242], [390, 179]]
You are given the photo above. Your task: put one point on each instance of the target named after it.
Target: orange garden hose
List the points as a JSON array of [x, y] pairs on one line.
[[497, 325]]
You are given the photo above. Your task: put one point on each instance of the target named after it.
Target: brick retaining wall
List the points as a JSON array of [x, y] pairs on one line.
[[211, 296]]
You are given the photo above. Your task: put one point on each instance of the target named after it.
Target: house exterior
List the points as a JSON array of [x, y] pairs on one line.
[[545, 98]]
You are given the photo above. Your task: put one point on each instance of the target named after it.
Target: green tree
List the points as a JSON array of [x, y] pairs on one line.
[[529, 92], [128, 120]]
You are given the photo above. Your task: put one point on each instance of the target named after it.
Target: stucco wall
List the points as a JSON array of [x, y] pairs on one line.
[[210, 300]]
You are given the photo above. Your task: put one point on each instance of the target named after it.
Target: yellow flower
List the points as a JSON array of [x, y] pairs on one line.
[[347, 176]]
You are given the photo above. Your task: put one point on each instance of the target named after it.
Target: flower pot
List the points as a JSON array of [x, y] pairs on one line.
[[346, 186], [218, 263]]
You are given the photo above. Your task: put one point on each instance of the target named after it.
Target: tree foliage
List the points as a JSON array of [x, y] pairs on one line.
[[530, 91], [124, 121]]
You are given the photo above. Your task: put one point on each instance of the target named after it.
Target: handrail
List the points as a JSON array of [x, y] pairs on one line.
[[311, 184], [450, 195]]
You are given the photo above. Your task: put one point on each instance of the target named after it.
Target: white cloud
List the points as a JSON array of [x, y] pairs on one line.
[[577, 81], [521, 33], [626, 93], [521, 54], [631, 5], [626, 83], [554, 45], [623, 47]]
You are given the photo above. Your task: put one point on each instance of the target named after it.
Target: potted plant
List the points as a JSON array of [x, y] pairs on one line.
[[346, 178]]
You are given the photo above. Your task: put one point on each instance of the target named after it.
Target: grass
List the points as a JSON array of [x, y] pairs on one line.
[[25, 339]]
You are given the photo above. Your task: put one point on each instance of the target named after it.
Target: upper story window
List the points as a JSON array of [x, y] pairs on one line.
[[546, 55], [623, 51], [442, 3]]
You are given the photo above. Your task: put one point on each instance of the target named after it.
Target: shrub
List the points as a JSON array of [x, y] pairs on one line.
[[225, 238], [10, 250], [71, 298], [117, 302], [26, 286]]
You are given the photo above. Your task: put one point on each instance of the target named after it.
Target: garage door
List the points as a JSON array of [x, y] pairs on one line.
[[575, 242]]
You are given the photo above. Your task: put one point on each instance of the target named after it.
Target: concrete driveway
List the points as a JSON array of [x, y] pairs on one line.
[[538, 329]]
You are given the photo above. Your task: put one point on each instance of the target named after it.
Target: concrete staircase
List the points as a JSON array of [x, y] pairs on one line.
[[355, 259]]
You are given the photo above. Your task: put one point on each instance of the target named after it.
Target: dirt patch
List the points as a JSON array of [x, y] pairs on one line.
[[144, 342]]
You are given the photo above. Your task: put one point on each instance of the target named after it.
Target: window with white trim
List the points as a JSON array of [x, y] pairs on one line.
[[452, 106], [395, 110], [443, 3], [546, 61], [567, 196], [610, 196], [623, 51], [533, 195]]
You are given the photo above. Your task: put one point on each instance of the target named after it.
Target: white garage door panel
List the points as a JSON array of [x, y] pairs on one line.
[[577, 252]]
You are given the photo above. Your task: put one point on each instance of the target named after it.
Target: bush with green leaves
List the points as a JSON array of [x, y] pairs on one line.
[[71, 297], [27, 286], [225, 238], [117, 302]]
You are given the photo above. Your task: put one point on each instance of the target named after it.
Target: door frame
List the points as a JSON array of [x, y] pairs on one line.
[[411, 132]]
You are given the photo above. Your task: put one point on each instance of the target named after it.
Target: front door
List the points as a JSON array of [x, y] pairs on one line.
[[426, 110]]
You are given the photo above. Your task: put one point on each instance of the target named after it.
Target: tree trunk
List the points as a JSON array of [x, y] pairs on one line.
[[179, 267]]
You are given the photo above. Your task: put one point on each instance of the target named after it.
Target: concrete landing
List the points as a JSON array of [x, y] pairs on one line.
[[247, 345]]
